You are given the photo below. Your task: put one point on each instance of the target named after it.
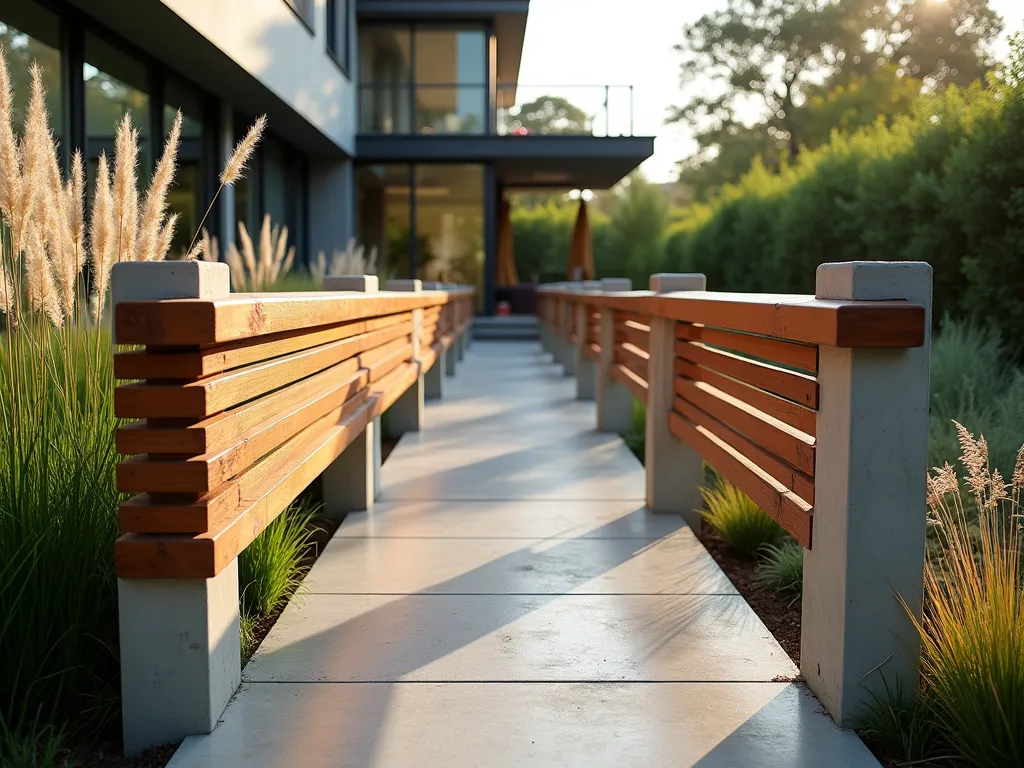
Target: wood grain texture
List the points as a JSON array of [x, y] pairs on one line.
[[798, 387], [185, 322], [837, 323], [793, 414], [793, 479], [789, 444], [204, 555], [781, 504], [802, 356], [204, 436], [632, 357], [217, 393], [207, 361], [147, 513], [202, 474], [634, 383]]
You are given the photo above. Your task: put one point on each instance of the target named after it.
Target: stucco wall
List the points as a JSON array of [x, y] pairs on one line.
[[268, 41]]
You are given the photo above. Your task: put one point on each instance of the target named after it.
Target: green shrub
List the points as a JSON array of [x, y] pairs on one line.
[[904, 726], [782, 569], [269, 569], [31, 746], [636, 437], [739, 521]]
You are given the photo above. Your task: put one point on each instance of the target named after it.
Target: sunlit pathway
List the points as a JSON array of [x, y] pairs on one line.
[[510, 602]]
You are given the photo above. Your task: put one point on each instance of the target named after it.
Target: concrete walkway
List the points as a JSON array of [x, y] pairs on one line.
[[509, 602]]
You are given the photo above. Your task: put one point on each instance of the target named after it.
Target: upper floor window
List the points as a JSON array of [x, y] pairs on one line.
[[338, 31], [423, 79], [304, 9]]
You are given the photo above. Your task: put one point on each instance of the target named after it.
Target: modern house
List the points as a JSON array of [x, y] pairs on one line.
[[398, 122]]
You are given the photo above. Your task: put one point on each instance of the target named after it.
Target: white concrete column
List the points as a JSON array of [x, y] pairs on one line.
[[180, 648], [226, 201], [451, 357], [406, 414], [351, 482], [614, 400], [674, 470], [586, 368], [868, 538], [433, 379]]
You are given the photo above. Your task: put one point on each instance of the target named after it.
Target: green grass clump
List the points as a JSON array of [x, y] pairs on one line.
[[904, 726], [636, 437], [58, 523], [32, 746], [269, 569], [739, 521], [782, 569]]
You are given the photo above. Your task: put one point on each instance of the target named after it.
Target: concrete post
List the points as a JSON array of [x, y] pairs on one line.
[[406, 414], [869, 512], [351, 482], [180, 652], [614, 400], [568, 347], [586, 368], [433, 379], [451, 357], [674, 470]]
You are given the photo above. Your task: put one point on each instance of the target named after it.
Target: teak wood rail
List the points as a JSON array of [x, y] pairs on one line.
[[811, 405], [239, 402]]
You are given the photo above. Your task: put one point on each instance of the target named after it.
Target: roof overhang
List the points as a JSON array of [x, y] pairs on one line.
[[506, 17], [565, 162]]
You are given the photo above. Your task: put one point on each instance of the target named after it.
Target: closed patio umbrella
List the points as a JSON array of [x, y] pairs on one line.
[[581, 250], [506, 271]]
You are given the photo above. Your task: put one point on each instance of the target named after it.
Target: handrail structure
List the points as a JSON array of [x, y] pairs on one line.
[[815, 406], [242, 401]]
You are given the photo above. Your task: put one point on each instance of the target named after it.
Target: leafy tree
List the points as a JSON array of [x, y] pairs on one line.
[[943, 42], [550, 114], [636, 233]]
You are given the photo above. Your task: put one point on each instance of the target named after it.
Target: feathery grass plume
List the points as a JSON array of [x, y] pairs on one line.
[[972, 632], [102, 236], [7, 301], [10, 156], [40, 289], [75, 194], [265, 254], [235, 266], [163, 245], [248, 256], [126, 196], [151, 227], [351, 261], [206, 249], [234, 168]]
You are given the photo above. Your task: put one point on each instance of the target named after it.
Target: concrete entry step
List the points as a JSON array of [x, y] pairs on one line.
[[509, 328], [511, 602]]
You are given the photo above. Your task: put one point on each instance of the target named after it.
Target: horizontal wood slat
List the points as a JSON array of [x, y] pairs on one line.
[[637, 334], [777, 437], [202, 362], [798, 387], [593, 351], [793, 414], [793, 479], [781, 504], [837, 323], [634, 383], [802, 356], [224, 390], [185, 322], [634, 358], [204, 555]]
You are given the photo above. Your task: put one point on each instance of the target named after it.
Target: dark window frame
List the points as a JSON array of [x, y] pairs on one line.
[[343, 58], [310, 10]]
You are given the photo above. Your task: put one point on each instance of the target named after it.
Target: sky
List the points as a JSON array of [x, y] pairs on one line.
[[588, 44]]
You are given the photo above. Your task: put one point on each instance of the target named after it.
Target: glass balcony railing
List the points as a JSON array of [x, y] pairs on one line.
[[515, 110]]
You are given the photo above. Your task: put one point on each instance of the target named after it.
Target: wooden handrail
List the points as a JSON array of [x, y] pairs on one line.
[[240, 415]]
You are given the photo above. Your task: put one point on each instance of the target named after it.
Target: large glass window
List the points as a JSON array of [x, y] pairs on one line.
[[450, 223], [30, 33], [426, 221], [186, 198], [385, 74], [450, 74], [115, 83], [422, 79]]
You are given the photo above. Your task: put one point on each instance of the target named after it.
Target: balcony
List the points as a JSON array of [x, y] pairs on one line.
[[511, 110]]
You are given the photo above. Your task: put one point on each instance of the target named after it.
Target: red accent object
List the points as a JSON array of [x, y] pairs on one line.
[[504, 309]]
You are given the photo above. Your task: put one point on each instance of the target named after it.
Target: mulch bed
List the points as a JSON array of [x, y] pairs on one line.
[[779, 613]]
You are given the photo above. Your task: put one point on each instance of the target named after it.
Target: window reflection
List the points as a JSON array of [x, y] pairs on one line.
[[384, 217], [385, 72], [186, 197], [115, 83], [33, 34], [450, 223]]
